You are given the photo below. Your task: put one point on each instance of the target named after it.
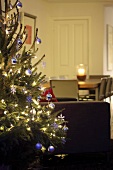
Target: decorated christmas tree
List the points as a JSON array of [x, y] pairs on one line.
[[26, 126]]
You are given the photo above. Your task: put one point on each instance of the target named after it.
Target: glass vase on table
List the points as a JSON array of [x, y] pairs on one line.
[[81, 72]]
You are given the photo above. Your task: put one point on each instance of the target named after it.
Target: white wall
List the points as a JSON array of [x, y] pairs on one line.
[[108, 20]]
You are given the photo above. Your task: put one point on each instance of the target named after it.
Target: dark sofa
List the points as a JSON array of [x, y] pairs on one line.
[[89, 127]]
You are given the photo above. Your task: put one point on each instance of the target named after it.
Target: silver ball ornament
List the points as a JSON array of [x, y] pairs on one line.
[[48, 97]]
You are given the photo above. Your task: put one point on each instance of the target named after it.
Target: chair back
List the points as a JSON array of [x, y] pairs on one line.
[[54, 78], [63, 77], [102, 88], [65, 90], [112, 87], [98, 76], [108, 87]]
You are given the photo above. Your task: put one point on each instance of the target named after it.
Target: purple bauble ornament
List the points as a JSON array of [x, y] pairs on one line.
[[14, 60], [19, 41], [39, 98], [63, 140], [18, 55], [29, 99], [52, 105], [38, 146], [65, 128], [19, 4], [38, 40], [28, 72], [51, 149]]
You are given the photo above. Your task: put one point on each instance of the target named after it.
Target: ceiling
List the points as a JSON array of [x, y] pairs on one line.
[[79, 1]]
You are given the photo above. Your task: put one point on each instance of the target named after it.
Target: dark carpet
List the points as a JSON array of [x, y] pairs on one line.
[[92, 161], [84, 161]]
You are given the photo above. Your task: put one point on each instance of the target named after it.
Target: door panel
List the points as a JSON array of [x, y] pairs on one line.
[[70, 45]]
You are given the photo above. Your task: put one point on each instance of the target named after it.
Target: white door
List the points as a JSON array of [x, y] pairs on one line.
[[70, 45]]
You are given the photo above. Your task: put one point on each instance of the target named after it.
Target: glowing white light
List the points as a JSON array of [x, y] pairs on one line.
[[60, 126], [5, 112], [17, 117], [48, 113], [34, 83], [10, 70], [2, 101], [28, 128], [7, 32], [5, 74], [33, 118]]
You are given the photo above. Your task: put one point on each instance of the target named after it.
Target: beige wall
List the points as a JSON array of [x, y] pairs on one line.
[[45, 11], [95, 11]]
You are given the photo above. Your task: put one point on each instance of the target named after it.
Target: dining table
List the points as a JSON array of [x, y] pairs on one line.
[[88, 84]]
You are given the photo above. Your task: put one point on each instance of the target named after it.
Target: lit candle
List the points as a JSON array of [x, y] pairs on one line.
[[81, 71]]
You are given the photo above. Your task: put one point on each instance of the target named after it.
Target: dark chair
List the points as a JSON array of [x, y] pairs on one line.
[[112, 87], [108, 88], [102, 88], [91, 91], [63, 77]]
